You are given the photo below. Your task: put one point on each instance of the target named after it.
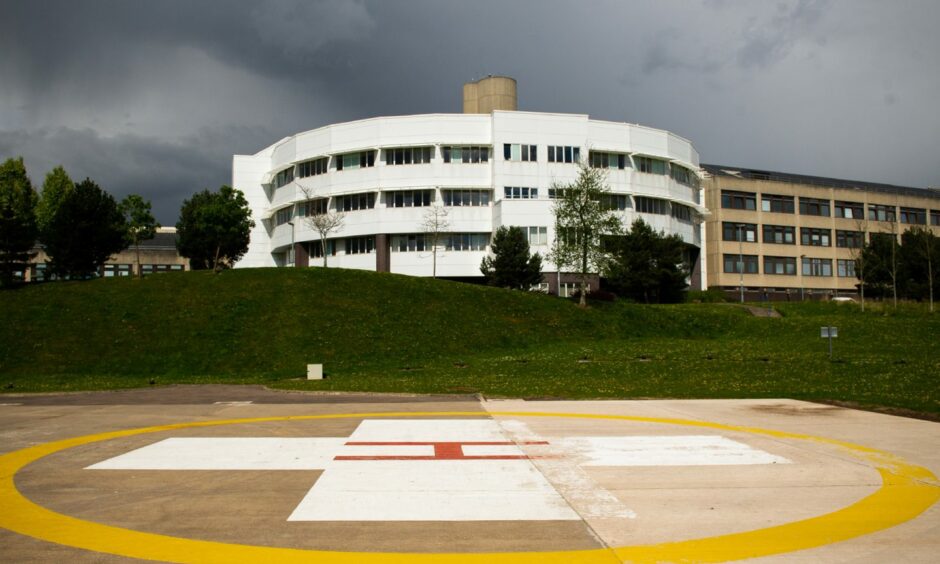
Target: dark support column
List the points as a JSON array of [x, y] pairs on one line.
[[383, 257], [695, 277], [301, 256]]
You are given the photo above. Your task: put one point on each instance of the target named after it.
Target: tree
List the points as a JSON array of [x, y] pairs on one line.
[[17, 219], [141, 225], [324, 224], [919, 267], [858, 256], [648, 266], [56, 186], [434, 224], [879, 258], [85, 230], [512, 266], [581, 222], [213, 229]]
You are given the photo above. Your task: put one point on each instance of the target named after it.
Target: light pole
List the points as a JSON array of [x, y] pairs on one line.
[[290, 254], [801, 276], [740, 227]]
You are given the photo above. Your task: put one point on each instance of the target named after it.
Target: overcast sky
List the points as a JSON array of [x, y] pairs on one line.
[[155, 96]]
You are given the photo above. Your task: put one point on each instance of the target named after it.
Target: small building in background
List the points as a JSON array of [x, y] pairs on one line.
[[156, 255]]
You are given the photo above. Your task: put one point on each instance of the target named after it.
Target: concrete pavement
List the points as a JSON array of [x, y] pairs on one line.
[[218, 473]]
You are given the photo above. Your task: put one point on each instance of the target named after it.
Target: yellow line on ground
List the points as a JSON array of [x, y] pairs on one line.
[[907, 490]]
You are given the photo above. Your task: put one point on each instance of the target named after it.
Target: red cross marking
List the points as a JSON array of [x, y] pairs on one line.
[[443, 450]]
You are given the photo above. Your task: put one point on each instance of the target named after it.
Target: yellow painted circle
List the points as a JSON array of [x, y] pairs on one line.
[[906, 491]]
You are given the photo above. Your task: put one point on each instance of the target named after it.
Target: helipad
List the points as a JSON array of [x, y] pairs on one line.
[[353, 479]]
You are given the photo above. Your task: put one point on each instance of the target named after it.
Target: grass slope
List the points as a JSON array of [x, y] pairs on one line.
[[388, 333]]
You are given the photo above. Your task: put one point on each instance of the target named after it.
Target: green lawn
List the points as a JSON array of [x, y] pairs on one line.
[[387, 333]]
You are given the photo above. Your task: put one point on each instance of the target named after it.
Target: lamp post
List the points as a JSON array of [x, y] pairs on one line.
[[801, 276], [290, 254], [740, 227]]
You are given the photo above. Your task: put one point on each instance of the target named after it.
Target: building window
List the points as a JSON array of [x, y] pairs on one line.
[[682, 212], [361, 159], [467, 241], [316, 248], [466, 197], [817, 267], [116, 270], [537, 235], [651, 205], [411, 243], [466, 155], [408, 155], [284, 177], [516, 152], [776, 204], [814, 206], [746, 231], [615, 201], [520, 193], [738, 200], [733, 264], [571, 289], [311, 208], [564, 154], [608, 160], [649, 165], [784, 266], [146, 269], [881, 213], [850, 239], [284, 215], [555, 193], [683, 175], [779, 234], [914, 216], [934, 217], [408, 198], [360, 245], [815, 237], [845, 268], [353, 202], [314, 167], [849, 210]]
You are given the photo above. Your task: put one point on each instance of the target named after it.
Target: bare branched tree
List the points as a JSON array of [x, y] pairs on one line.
[[321, 219], [435, 224], [858, 255]]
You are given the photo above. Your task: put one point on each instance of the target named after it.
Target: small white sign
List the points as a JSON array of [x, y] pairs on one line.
[[827, 332]]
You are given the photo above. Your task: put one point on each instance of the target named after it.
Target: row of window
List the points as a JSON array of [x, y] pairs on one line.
[[786, 266], [775, 203], [472, 197], [480, 154], [40, 271], [786, 235]]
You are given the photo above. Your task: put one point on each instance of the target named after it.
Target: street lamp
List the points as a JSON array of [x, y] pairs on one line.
[[740, 227], [290, 254], [801, 276]]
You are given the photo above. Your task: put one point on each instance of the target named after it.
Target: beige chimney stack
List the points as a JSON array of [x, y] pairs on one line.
[[488, 94]]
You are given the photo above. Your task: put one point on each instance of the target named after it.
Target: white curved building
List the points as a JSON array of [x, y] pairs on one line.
[[486, 170]]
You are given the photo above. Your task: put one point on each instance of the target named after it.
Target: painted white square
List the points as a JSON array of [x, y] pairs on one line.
[[229, 453], [664, 450]]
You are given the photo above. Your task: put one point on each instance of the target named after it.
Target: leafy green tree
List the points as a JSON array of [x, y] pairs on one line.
[[214, 227], [17, 219], [56, 186], [512, 266], [880, 258], [582, 221], [86, 229], [919, 264], [141, 225], [648, 266]]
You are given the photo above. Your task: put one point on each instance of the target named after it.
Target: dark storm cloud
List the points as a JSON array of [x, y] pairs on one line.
[[155, 97]]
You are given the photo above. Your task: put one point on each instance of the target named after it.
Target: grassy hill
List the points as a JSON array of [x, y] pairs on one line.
[[381, 332]]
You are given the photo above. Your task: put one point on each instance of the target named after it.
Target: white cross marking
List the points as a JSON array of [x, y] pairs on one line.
[[442, 470]]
